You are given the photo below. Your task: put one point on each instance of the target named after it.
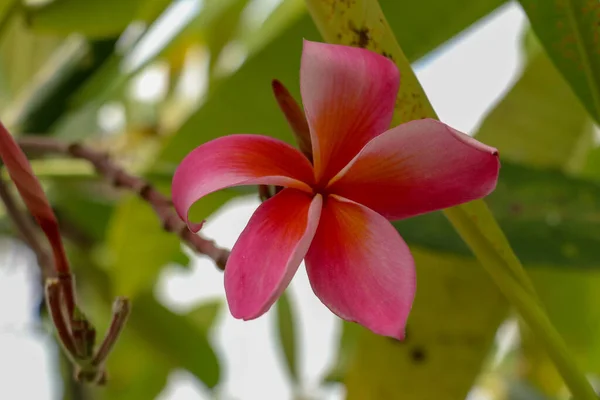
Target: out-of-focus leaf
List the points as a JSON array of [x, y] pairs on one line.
[[204, 315], [93, 18], [539, 122], [181, 340], [348, 343], [572, 301], [139, 368], [220, 28], [137, 371], [22, 54], [570, 32], [446, 341], [80, 204], [421, 26], [139, 247], [134, 229], [48, 95], [153, 335], [244, 103], [199, 30], [549, 217], [287, 335]]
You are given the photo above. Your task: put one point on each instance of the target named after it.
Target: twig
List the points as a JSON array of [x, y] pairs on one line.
[[27, 230], [161, 204]]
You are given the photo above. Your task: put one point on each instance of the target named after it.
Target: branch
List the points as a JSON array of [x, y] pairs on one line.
[[115, 175], [27, 230]]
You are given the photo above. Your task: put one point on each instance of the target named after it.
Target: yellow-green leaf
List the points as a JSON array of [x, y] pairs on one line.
[[569, 30]]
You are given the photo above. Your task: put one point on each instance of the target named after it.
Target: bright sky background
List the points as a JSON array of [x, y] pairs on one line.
[[463, 80]]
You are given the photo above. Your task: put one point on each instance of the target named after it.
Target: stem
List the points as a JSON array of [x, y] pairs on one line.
[[514, 287], [537, 320], [161, 204], [54, 302], [121, 310], [27, 230]]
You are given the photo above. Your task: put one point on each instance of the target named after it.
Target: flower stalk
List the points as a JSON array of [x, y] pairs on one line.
[[75, 333]]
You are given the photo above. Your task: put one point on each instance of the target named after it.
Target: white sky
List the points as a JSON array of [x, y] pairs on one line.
[[463, 80]]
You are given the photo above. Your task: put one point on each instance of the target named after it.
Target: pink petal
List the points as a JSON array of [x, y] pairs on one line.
[[237, 160], [349, 96], [360, 267], [418, 167], [269, 251]]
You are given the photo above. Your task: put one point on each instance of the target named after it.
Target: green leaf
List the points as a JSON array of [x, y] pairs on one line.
[[90, 213], [287, 335], [134, 228], [139, 247], [448, 336], [570, 32], [349, 340], [93, 18], [181, 340], [244, 103], [139, 367], [562, 291], [548, 216], [421, 26], [539, 122], [204, 315], [22, 54]]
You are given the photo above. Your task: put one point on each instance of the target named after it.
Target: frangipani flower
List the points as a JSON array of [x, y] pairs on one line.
[[335, 214]]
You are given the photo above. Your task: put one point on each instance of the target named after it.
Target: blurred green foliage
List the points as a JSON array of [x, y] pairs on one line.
[[68, 68]]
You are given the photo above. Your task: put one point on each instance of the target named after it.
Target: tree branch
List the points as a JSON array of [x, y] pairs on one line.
[[115, 175]]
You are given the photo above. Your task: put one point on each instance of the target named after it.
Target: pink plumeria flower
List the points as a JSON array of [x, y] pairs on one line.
[[335, 214]]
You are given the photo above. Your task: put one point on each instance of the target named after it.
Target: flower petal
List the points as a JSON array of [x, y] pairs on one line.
[[269, 251], [360, 267], [418, 167], [237, 160], [349, 96]]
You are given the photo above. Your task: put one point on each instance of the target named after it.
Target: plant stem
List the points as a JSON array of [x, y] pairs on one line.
[[118, 177]]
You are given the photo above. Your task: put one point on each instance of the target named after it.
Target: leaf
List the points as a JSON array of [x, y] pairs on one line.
[[223, 28], [287, 335], [349, 340], [139, 366], [79, 203], [549, 217], [551, 131], [573, 305], [448, 336], [135, 229], [244, 103], [93, 18], [569, 30], [421, 26], [181, 341], [540, 121]]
